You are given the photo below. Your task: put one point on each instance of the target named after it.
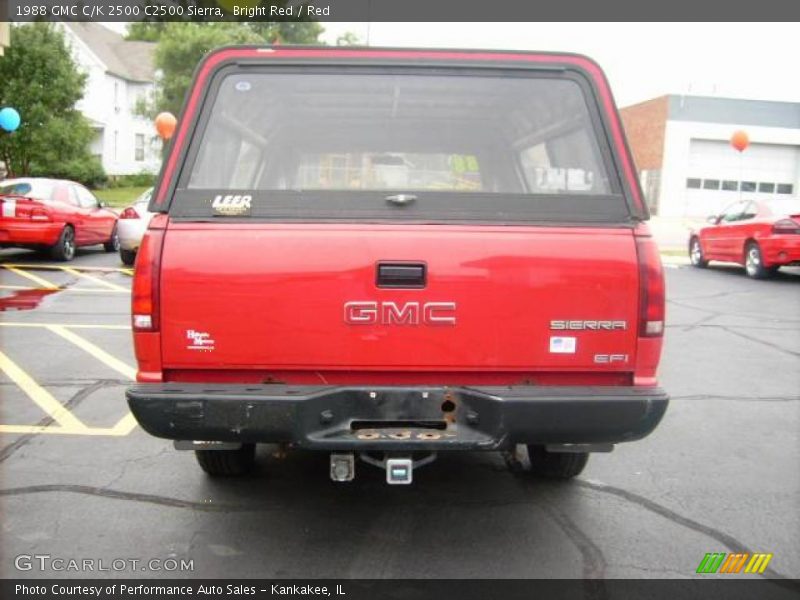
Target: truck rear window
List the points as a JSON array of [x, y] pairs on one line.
[[338, 144]]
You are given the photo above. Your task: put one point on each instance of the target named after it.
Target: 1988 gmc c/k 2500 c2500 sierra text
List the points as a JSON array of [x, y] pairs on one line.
[[384, 254]]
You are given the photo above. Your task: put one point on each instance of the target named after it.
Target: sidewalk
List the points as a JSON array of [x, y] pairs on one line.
[[671, 260], [672, 233]]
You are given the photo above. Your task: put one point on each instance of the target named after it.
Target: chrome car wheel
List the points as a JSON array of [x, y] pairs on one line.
[[696, 254], [753, 261], [69, 244], [112, 245]]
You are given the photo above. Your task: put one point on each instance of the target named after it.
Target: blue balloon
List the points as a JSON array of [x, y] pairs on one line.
[[9, 119]]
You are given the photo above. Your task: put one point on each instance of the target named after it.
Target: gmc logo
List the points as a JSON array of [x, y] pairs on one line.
[[393, 313]]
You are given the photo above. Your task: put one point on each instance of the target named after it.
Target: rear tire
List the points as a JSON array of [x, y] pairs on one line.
[[696, 256], [555, 465], [64, 249], [227, 463], [754, 262], [128, 257], [112, 245]]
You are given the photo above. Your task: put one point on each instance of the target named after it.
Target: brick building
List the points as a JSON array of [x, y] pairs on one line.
[[686, 164]]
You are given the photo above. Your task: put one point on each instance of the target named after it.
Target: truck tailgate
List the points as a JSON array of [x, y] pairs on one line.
[[305, 297]]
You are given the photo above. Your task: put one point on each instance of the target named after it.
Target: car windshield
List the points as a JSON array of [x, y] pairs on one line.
[[40, 189], [400, 132]]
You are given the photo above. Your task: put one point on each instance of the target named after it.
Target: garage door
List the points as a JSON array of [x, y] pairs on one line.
[[717, 174]]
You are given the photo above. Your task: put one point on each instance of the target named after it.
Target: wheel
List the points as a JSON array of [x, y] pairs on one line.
[[128, 257], [696, 254], [64, 248], [555, 465], [226, 463], [754, 263], [112, 245]]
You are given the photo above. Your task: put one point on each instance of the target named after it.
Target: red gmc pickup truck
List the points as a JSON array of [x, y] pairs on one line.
[[383, 254]]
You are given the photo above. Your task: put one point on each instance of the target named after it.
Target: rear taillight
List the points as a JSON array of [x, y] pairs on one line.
[[25, 208], [786, 226], [40, 214], [129, 213], [651, 285], [147, 273]]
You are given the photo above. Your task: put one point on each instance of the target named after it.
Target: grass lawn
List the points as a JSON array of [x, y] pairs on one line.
[[119, 197]]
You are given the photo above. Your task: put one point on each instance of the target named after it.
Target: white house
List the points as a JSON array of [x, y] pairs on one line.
[[120, 73], [5, 35]]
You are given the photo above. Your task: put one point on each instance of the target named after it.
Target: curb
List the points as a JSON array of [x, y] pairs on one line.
[[669, 259]]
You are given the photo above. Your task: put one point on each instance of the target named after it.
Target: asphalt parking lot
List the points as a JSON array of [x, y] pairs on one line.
[[79, 480]]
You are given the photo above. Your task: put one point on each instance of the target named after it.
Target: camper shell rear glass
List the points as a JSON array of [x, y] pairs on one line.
[[343, 143]]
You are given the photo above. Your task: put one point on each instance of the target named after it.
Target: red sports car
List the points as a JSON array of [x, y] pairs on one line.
[[761, 235], [54, 215]]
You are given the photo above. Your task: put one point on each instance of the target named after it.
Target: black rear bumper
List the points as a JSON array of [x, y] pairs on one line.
[[397, 418]]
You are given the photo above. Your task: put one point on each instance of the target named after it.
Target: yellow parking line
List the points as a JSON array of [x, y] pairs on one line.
[[97, 352], [35, 278], [40, 396], [115, 431], [69, 289], [103, 282], [68, 326], [67, 423], [124, 426], [61, 267]]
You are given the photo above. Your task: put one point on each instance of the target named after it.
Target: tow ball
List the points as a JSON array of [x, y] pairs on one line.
[[399, 469]]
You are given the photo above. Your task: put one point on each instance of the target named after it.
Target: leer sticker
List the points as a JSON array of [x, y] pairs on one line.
[[232, 205], [563, 345]]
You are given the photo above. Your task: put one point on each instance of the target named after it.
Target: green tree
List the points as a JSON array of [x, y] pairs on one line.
[[349, 38], [40, 79], [181, 45], [145, 31]]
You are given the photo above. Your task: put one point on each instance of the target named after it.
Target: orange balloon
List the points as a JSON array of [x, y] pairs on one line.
[[740, 140], [165, 125]]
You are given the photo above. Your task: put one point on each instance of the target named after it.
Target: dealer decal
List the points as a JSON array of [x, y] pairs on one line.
[[199, 340], [232, 205]]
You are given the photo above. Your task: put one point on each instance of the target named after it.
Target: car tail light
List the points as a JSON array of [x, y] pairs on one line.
[[129, 213], [651, 285], [786, 226], [40, 214], [146, 277]]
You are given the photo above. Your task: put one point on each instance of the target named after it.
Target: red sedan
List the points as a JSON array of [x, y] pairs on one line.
[[761, 235], [54, 215]]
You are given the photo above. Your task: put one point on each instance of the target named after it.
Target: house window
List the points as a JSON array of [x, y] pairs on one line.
[[785, 188], [116, 143], [748, 186], [711, 184], [693, 183], [139, 147], [766, 188], [730, 186]]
